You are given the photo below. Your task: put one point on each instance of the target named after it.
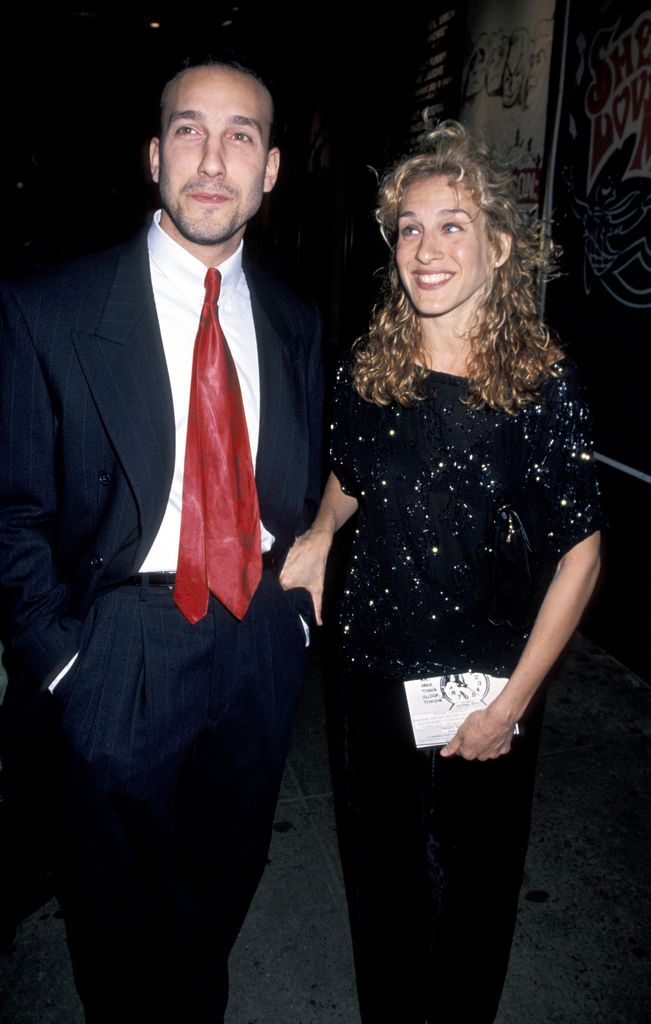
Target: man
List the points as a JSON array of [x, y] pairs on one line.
[[175, 719]]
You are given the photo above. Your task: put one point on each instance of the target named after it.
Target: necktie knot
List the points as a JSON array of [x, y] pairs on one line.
[[212, 284]]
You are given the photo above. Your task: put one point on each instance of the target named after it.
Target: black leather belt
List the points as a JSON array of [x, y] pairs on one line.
[[270, 561], [151, 579]]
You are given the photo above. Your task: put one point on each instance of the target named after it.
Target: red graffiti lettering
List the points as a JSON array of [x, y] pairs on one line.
[[640, 88], [601, 87], [621, 106], [641, 159], [527, 184], [618, 97], [643, 40], [621, 58]]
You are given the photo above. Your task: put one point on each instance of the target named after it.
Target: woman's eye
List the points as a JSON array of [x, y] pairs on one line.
[[452, 228], [409, 230]]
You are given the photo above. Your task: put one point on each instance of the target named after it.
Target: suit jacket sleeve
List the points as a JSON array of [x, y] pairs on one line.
[[288, 468], [315, 420], [33, 595]]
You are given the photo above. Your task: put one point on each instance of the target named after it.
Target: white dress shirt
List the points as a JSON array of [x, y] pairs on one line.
[[178, 283]]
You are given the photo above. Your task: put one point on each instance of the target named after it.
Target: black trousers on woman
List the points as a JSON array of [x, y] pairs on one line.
[[433, 853]]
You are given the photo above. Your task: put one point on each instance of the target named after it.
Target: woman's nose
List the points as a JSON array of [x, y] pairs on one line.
[[430, 248]]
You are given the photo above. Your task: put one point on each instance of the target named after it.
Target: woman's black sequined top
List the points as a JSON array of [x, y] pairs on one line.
[[430, 480]]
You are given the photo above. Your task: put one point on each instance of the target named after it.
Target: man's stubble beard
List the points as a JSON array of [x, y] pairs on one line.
[[208, 233]]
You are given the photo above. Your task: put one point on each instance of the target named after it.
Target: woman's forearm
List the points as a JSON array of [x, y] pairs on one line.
[[487, 733], [559, 615], [306, 561], [336, 509]]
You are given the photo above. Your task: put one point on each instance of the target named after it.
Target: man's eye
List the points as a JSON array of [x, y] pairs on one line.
[[241, 137], [186, 129]]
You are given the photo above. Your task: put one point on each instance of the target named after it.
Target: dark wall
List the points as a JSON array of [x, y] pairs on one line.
[[601, 305], [619, 618], [81, 95]]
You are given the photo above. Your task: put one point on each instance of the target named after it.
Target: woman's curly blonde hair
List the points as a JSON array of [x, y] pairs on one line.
[[511, 349]]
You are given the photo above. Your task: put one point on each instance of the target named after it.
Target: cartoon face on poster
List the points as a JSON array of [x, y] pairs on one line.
[[505, 83], [609, 190]]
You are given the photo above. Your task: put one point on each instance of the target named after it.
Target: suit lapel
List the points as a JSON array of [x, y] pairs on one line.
[[125, 367]]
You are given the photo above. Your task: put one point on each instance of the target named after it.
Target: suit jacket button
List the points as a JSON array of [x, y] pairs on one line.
[[96, 562], [104, 477]]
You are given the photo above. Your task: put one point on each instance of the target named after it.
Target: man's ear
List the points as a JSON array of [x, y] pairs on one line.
[[271, 170], [154, 158]]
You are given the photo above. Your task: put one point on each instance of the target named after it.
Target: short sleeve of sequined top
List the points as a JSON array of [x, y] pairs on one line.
[[559, 469], [430, 480]]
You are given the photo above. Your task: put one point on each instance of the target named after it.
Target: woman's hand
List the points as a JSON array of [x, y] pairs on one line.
[[305, 566], [306, 562], [485, 735]]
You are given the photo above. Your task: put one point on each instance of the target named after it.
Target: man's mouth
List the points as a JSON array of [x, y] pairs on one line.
[[198, 191], [210, 198]]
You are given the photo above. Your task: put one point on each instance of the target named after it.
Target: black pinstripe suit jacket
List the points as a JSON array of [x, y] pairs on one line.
[[87, 438]]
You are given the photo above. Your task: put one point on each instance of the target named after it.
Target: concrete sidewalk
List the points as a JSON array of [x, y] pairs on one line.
[[582, 947]]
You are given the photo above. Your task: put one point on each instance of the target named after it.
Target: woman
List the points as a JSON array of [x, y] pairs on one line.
[[459, 438]]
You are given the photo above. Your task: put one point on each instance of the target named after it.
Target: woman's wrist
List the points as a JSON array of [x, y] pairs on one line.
[[315, 543], [323, 530], [506, 710]]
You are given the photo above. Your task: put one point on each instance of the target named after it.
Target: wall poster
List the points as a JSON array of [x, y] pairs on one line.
[[437, 86], [506, 81], [602, 213]]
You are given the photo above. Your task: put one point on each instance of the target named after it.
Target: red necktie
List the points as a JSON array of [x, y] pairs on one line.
[[220, 518]]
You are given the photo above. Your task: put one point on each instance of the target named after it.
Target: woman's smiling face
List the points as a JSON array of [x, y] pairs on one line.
[[443, 253]]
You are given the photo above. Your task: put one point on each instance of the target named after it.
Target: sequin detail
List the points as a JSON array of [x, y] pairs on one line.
[[430, 480]]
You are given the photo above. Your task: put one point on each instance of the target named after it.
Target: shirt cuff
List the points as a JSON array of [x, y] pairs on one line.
[[57, 679], [306, 630]]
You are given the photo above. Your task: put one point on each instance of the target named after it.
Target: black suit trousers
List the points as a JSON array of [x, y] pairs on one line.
[[175, 737]]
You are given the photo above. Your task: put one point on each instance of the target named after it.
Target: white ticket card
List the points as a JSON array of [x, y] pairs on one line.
[[440, 704]]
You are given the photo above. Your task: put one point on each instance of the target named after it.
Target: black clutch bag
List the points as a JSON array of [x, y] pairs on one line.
[[511, 584]]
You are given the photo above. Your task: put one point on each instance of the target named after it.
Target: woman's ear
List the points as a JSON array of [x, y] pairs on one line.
[[503, 248]]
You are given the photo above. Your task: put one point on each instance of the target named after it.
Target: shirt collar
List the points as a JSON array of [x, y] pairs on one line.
[[186, 271]]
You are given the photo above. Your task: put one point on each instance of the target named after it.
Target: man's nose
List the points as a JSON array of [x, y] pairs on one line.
[[212, 163]]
